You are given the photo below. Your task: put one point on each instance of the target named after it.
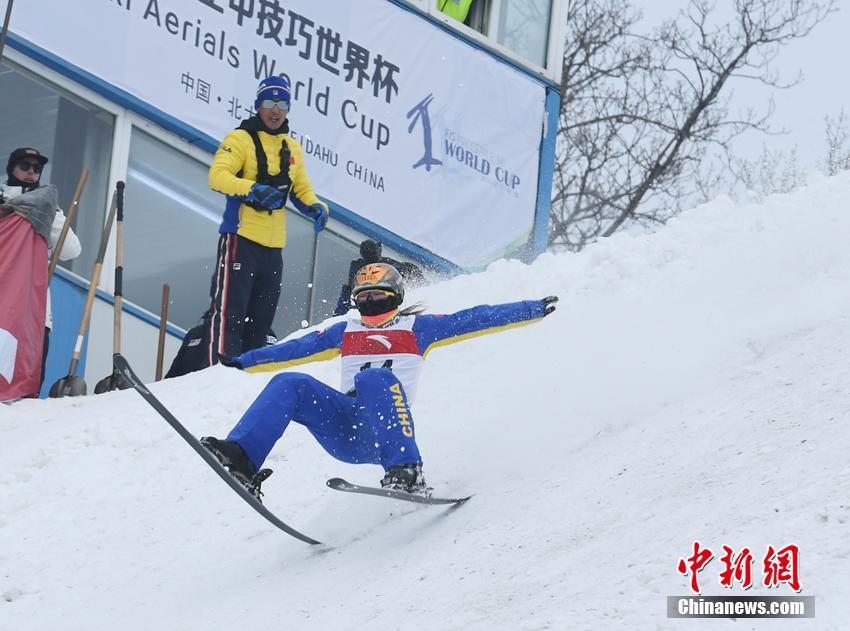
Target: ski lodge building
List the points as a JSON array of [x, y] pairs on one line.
[[428, 125]]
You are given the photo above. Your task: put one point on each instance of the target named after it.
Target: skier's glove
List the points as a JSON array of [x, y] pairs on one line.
[[230, 362], [266, 196], [320, 216], [549, 304]]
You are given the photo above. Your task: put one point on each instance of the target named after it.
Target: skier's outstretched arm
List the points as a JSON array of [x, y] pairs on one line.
[[438, 330], [316, 346]]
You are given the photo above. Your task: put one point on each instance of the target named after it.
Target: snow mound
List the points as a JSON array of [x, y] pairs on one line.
[[691, 385]]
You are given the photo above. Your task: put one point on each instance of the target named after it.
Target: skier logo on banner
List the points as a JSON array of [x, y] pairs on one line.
[[420, 113]]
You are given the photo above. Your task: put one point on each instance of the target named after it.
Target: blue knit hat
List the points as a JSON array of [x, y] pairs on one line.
[[276, 88]]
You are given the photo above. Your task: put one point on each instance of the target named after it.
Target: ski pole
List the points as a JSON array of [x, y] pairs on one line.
[[314, 274]]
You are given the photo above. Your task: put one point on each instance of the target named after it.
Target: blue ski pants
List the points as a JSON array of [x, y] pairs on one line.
[[373, 425]]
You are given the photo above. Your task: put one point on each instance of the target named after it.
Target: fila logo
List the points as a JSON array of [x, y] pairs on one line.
[[237, 266], [383, 339]]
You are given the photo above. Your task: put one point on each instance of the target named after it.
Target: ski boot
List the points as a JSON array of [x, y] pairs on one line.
[[405, 477], [233, 458]]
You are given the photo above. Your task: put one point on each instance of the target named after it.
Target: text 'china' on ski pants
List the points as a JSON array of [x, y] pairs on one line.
[[374, 426]]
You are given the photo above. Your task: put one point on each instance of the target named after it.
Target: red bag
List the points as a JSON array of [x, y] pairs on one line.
[[23, 301]]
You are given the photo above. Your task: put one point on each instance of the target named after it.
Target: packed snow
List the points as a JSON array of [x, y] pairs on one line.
[[692, 385]]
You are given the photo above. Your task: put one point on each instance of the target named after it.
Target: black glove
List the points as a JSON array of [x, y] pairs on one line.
[[549, 304], [230, 363]]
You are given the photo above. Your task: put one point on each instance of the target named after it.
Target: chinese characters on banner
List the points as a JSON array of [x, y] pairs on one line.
[[359, 62], [201, 90]]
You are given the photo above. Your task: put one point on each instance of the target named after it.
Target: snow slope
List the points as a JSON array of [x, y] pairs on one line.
[[693, 384]]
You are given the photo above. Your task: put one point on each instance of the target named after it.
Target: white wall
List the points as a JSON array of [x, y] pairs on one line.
[[139, 340]]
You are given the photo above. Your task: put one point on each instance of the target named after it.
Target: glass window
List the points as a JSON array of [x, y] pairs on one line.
[[333, 262], [524, 28], [74, 135], [479, 16], [292, 308], [171, 222]]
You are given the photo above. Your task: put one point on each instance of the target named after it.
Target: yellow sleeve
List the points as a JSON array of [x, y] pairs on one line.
[[228, 161], [301, 186]]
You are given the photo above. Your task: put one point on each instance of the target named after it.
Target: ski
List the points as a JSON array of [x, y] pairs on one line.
[[338, 484], [123, 367]]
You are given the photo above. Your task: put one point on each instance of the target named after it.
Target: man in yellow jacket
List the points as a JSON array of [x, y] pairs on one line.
[[259, 167]]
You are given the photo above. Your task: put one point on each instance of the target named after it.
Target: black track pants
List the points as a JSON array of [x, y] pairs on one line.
[[245, 290]]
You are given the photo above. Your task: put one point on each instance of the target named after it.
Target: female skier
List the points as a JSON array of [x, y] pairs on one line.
[[369, 419]]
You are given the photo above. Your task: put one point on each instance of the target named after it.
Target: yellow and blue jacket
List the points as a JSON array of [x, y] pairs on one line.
[[234, 170]]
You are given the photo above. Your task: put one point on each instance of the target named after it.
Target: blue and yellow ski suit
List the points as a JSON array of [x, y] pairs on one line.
[[369, 419]]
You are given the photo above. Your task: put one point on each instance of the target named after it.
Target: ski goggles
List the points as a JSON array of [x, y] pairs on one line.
[[373, 294], [29, 165], [283, 106]]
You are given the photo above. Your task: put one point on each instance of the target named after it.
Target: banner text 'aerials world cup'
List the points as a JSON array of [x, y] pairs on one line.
[[402, 123]]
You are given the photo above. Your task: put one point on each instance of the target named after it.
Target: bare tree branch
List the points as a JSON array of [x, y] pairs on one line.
[[641, 112]]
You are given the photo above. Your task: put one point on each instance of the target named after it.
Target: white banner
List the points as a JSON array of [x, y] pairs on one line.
[[402, 123]]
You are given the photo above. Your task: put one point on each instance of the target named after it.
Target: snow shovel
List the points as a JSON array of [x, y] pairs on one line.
[[115, 381], [72, 385]]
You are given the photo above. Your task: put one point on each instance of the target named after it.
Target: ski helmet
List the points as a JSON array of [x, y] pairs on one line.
[[385, 287]]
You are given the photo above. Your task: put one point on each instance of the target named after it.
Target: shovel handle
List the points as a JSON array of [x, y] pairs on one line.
[[119, 271], [5, 27], [163, 322], [69, 218], [95, 279]]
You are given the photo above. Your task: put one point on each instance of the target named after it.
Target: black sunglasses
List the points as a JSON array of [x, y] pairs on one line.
[[26, 165]]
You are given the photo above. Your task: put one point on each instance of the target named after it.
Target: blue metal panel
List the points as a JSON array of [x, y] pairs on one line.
[[540, 235]]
